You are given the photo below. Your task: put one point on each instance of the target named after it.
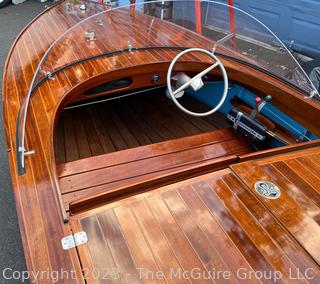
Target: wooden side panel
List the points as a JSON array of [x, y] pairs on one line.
[[150, 165], [140, 153]]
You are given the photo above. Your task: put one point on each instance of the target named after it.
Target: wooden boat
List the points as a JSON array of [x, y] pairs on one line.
[[128, 166]]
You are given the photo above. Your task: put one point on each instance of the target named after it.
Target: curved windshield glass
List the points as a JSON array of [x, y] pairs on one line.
[[219, 27], [212, 25]]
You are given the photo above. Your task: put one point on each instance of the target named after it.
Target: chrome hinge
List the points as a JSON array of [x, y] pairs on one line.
[[74, 240]]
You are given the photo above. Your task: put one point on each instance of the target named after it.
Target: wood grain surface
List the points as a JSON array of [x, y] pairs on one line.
[[127, 123], [210, 223], [40, 207]]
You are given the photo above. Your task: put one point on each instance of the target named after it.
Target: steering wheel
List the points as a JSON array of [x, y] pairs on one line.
[[196, 82]]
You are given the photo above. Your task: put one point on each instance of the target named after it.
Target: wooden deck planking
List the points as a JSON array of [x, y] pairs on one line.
[[210, 225], [278, 232], [135, 240], [125, 132], [213, 223], [100, 253], [117, 244], [37, 188], [113, 131], [102, 132], [134, 123], [175, 237], [40, 248], [297, 208], [261, 240], [203, 246]]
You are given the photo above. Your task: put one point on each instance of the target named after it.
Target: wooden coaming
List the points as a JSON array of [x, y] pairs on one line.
[[36, 193]]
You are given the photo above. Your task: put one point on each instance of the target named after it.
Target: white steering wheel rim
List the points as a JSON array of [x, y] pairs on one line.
[[224, 75]]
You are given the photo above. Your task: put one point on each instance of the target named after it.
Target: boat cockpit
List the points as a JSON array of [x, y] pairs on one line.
[[159, 91]]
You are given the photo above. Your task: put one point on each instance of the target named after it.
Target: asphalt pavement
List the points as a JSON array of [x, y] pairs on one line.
[[12, 20]]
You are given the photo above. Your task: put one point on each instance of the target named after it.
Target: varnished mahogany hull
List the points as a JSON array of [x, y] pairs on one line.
[[38, 198]]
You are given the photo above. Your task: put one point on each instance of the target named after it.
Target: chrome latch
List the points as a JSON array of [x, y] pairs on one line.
[[74, 240]]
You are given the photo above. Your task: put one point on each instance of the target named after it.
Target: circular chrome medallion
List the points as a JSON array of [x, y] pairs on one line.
[[267, 189]]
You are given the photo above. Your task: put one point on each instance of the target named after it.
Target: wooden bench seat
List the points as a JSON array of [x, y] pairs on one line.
[[152, 165]]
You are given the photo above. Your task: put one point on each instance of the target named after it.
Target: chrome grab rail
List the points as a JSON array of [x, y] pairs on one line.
[[21, 152]]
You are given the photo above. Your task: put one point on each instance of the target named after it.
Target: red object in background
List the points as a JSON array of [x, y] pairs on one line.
[[198, 17], [105, 7], [132, 8], [231, 12], [232, 23]]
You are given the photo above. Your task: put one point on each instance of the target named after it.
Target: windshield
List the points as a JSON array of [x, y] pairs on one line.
[[217, 27], [226, 29]]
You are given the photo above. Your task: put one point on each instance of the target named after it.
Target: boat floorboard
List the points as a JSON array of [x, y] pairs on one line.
[[215, 225], [127, 123]]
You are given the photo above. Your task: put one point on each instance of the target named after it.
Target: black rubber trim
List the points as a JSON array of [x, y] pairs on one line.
[[107, 54], [21, 170]]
